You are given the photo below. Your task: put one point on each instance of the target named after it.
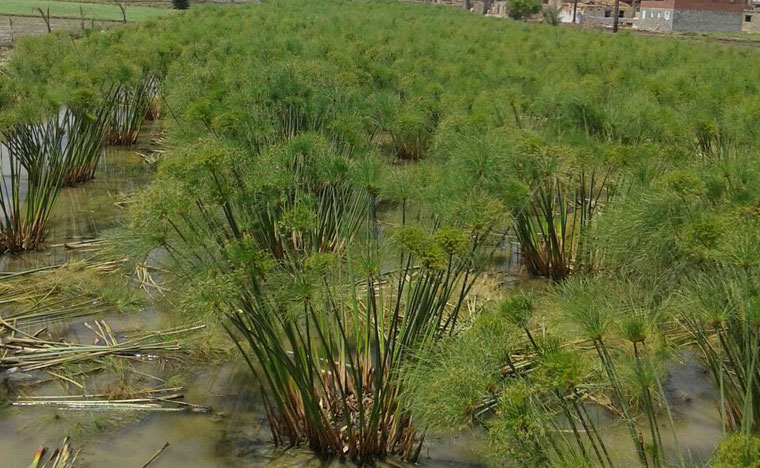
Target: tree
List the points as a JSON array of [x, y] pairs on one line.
[[519, 9], [181, 4], [551, 14]]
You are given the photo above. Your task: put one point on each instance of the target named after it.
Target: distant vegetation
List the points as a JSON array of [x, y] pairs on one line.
[[341, 178]]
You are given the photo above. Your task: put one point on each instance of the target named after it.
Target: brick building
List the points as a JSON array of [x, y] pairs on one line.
[[691, 15]]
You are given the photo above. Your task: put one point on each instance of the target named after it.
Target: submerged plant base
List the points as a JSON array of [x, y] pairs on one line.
[[389, 431], [79, 175], [26, 238], [124, 139], [132, 104], [154, 112]]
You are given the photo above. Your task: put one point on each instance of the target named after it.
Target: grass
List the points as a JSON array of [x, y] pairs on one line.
[[98, 11]]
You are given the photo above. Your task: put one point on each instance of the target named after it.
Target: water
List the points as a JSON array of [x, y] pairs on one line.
[[694, 400]]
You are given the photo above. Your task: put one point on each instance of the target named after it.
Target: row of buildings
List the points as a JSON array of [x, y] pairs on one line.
[[665, 15], [678, 15], [651, 15]]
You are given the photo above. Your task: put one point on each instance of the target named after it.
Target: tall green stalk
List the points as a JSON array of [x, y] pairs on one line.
[[85, 137], [33, 170], [131, 105], [553, 228]]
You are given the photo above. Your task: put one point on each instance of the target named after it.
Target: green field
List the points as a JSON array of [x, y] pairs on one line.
[[74, 10], [345, 185]]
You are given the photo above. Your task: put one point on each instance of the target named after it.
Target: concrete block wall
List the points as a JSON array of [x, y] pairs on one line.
[[665, 19], [751, 22], [702, 20], [656, 19]]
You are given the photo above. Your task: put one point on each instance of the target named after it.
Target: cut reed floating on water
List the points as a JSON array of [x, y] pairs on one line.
[[63, 457], [31, 353], [39, 297], [160, 400]]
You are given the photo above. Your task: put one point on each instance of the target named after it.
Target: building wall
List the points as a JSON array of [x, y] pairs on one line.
[[665, 19], [595, 14], [708, 5], [499, 9], [704, 20], [656, 19], [753, 25]]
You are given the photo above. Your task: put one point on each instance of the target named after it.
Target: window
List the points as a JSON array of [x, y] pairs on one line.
[[748, 18], [607, 14], [621, 14]]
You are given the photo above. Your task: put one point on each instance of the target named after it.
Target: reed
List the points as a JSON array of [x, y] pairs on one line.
[[324, 324], [332, 373], [131, 105], [33, 172], [553, 227], [283, 235], [74, 137], [553, 393], [637, 315], [85, 137], [724, 325], [37, 161]]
